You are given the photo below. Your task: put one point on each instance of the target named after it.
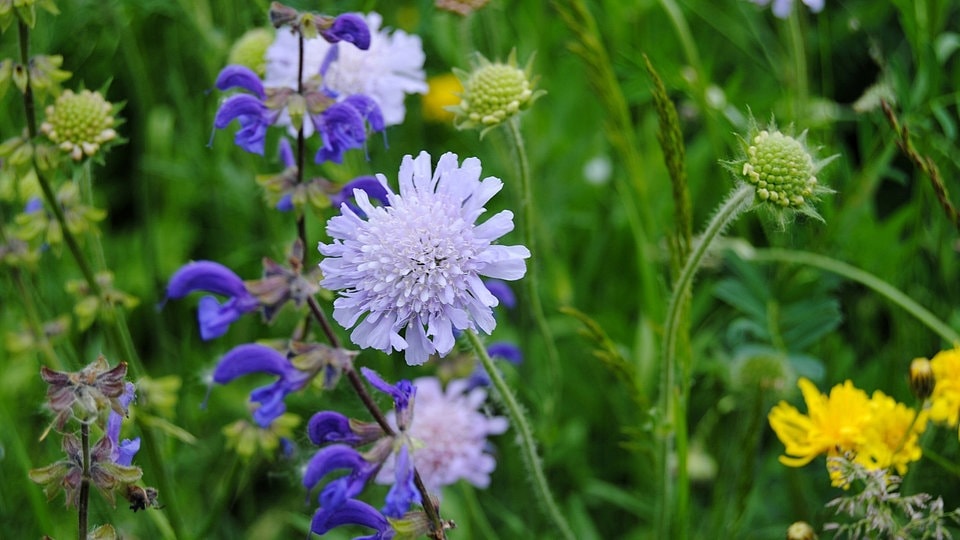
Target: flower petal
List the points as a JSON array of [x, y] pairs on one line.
[[351, 28], [234, 75], [251, 358], [205, 276]]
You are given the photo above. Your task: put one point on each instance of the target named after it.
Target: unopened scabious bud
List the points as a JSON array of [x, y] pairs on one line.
[[493, 93], [922, 380], [801, 530], [80, 123], [251, 50], [783, 170]]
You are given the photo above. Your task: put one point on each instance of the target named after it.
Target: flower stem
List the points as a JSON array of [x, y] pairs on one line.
[[300, 159], [853, 273], [528, 447], [532, 283], [673, 393], [84, 499]]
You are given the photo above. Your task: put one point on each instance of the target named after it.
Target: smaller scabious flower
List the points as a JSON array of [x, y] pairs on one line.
[[386, 71], [214, 318], [449, 434], [494, 93], [782, 8], [416, 264], [80, 124], [782, 170]]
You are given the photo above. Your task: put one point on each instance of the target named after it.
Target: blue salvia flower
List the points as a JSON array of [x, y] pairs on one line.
[[214, 318], [122, 452], [354, 512], [255, 358], [372, 187], [416, 265], [250, 110]]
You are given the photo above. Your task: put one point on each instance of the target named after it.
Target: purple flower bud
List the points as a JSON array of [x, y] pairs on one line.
[[254, 358], [353, 512], [214, 318], [234, 76], [502, 291], [368, 184], [351, 28], [403, 492], [403, 394]]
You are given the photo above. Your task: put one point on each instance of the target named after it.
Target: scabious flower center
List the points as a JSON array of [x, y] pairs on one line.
[[418, 250], [79, 123], [495, 92], [781, 168]]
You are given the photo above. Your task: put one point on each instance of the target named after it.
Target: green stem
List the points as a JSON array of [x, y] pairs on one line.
[[797, 44], [673, 394], [532, 283], [528, 447], [84, 498], [855, 274]]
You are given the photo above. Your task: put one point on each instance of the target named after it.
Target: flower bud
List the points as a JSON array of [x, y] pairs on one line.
[[493, 93], [922, 379], [801, 530], [80, 123]]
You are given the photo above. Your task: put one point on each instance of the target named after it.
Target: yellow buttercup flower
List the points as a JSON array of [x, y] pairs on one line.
[[945, 400], [838, 422], [876, 432]]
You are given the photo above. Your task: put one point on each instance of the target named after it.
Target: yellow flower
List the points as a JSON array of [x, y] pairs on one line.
[[892, 437], [834, 423], [876, 432], [444, 91], [945, 401]]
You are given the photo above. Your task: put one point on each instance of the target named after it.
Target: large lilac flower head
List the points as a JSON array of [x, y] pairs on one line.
[[387, 71], [416, 265], [449, 435]]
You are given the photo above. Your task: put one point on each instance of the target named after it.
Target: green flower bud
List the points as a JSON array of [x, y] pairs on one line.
[[493, 93], [782, 170], [251, 50], [46, 75], [80, 123]]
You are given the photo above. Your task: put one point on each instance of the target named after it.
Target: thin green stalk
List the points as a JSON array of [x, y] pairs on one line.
[[673, 394], [83, 501], [853, 273], [528, 447], [532, 283], [797, 48]]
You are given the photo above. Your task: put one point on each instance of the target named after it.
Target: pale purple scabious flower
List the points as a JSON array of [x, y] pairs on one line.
[[781, 8], [449, 434], [388, 70], [416, 265]]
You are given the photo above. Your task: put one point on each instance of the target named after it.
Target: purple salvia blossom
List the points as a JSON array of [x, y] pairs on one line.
[[348, 27], [416, 265], [368, 184], [214, 318], [342, 126], [122, 452], [254, 358], [403, 493], [250, 110], [353, 512]]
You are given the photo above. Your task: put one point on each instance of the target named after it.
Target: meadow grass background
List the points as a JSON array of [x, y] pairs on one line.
[[171, 198]]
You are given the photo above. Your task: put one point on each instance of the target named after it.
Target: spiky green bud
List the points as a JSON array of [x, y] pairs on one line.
[[783, 170], [493, 93], [80, 123], [251, 50]]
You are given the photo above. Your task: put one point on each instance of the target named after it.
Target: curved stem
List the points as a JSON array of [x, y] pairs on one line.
[[673, 393], [528, 447], [863, 277], [532, 283]]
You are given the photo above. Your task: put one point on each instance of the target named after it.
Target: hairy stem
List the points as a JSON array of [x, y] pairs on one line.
[[528, 446], [532, 283], [673, 393]]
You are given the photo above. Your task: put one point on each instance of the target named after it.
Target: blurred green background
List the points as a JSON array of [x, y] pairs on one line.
[[172, 198]]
